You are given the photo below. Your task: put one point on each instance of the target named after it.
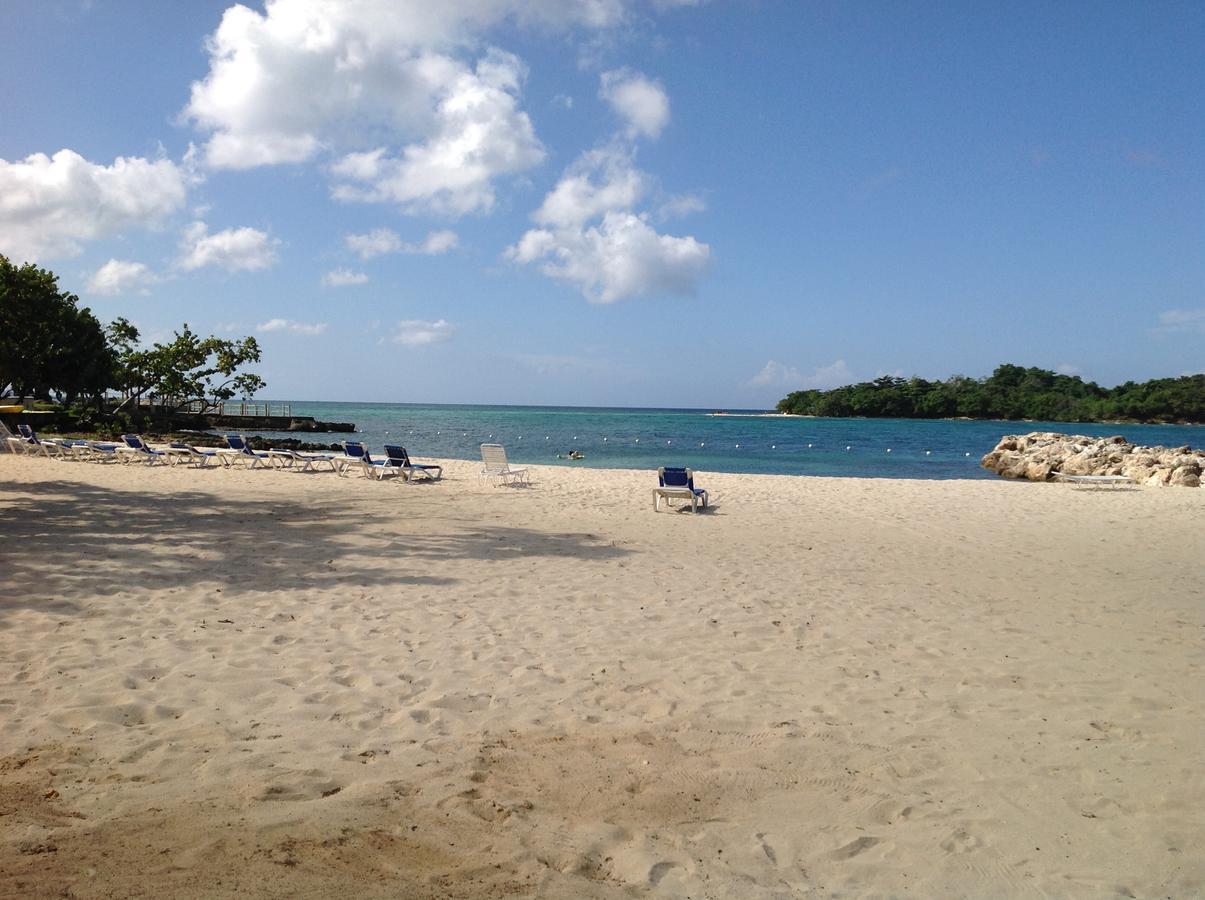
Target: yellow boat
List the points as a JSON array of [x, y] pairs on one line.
[[11, 409]]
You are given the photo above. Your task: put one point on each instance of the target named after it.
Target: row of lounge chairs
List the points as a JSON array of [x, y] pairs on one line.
[[672, 483], [355, 456]]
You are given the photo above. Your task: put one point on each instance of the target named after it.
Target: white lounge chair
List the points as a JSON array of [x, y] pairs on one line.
[[1109, 481], [494, 465]]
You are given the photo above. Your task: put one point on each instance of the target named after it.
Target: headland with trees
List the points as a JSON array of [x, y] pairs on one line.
[[1010, 392]]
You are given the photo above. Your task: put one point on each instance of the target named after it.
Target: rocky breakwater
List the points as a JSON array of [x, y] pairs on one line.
[[1037, 456]]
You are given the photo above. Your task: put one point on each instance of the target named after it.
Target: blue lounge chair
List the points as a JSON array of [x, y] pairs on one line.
[[678, 484], [31, 443], [238, 451], [302, 462], [400, 459], [136, 448], [178, 452], [357, 455]]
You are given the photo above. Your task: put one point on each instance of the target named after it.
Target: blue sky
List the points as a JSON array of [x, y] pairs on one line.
[[612, 202]]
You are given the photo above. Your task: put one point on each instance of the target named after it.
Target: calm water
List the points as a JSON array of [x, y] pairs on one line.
[[647, 438]]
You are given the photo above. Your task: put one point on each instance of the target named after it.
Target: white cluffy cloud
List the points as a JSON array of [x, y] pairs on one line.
[[383, 86], [641, 102], [119, 276], [377, 242], [1182, 320], [594, 238], [823, 378], [343, 278], [380, 241], [234, 249], [775, 374], [421, 333], [291, 326], [49, 205]]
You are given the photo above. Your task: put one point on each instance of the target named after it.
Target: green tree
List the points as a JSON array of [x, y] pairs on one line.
[[187, 369], [47, 342]]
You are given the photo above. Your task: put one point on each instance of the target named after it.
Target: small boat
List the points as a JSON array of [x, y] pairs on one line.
[[11, 410]]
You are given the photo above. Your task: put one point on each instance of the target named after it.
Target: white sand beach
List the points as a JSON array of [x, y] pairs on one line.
[[268, 684]]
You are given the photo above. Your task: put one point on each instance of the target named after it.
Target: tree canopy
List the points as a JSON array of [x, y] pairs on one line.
[[1010, 392], [48, 343]]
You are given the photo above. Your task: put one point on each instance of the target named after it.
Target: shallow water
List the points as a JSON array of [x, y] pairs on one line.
[[647, 438]]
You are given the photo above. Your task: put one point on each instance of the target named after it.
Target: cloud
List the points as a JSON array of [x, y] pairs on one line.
[[385, 89], [421, 333], [824, 378], [382, 240], [679, 206], [437, 242], [234, 249], [291, 326], [377, 242], [343, 278], [620, 258], [1068, 369], [119, 277], [1182, 320], [600, 180], [775, 374], [478, 133], [640, 102], [620, 255], [49, 205]]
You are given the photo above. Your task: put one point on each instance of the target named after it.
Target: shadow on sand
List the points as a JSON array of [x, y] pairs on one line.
[[61, 542]]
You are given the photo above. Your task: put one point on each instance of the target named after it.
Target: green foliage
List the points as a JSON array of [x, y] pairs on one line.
[[1011, 392], [191, 368], [47, 342]]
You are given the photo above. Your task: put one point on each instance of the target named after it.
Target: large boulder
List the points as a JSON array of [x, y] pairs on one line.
[[1041, 455]]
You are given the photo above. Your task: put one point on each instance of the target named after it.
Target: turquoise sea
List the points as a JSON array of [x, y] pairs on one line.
[[647, 438]]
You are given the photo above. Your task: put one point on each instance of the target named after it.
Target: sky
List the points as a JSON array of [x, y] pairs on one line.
[[683, 203]]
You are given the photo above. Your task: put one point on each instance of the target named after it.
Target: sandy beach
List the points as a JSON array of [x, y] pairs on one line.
[[270, 684]]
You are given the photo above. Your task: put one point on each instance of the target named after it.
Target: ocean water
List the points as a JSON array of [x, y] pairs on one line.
[[648, 438]]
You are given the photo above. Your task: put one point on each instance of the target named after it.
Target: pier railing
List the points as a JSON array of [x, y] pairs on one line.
[[243, 408]]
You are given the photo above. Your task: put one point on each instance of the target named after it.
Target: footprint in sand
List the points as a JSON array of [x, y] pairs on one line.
[[853, 848], [961, 842]]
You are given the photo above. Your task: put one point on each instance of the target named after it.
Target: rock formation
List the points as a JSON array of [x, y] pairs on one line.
[[1039, 454]]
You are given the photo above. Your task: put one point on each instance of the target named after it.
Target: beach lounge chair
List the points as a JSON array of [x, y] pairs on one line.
[[239, 452], [677, 484], [400, 459], [1096, 481], [356, 456], [136, 449], [31, 443], [494, 465], [178, 453], [302, 462]]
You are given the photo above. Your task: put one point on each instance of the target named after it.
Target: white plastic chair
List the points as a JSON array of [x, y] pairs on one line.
[[494, 465]]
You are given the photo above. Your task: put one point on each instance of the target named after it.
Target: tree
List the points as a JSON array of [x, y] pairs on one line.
[[47, 342], [187, 369]]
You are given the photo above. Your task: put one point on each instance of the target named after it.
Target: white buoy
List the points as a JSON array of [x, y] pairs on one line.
[[966, 454], [738, 446], [888, 449], [637, 440], [809, 446], [545, 437], [927, 452], [702, 444], [773, 446], [847, 446], [604, 440], [669, 442]]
